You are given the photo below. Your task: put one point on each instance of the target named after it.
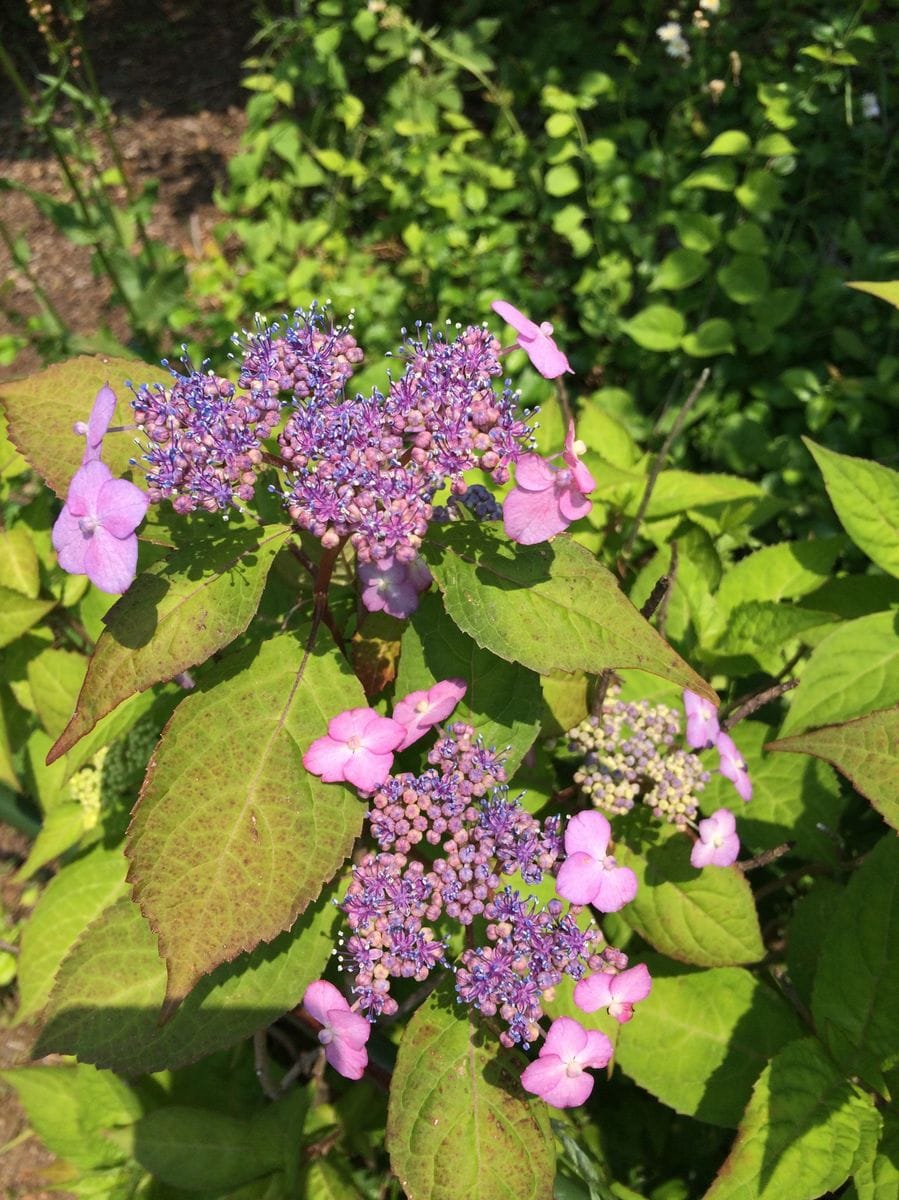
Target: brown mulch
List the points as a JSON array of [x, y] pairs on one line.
[[172, 71]]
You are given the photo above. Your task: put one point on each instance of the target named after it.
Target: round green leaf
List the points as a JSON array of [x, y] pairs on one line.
[[678, 270], [745, 278], [657, 327], [562, 180], [715, 336], [732, 142]]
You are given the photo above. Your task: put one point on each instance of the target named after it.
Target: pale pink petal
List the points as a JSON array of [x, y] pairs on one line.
[[346, 1060], [366, 770], [110, 563], [588, 832], [569, 453], [321, 997], [580, 877], [121, 507], [514, 317], [382, 734], [543, 1074], [350, 723], [546, 356], [67, 530], [85, 487], [566, 1037], [633, 984], [534, 474], [532, 517], [721, 823], [702, 854], [617, 887], [743, 784], [598, 1051], [593, 993], [583, 480], [573, 505], [99, 421], [349, 1027], [570, 1091], [419, 711], [327, 758]]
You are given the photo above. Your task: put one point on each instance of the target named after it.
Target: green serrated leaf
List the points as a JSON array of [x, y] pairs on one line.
[[459, 1125], [852, 672], [74, 898], [72, 1108], [877, 1178], [18, 613], [865, 750], [865, 496], [232, 837], [719, 1028], [801, 1131], [106, 1004], [705, 917], [549, 607], [175, 615], [503, 699], [19, 569], [854, 998], [204, 1151], [765, 631], [786, 571], [54, 677]]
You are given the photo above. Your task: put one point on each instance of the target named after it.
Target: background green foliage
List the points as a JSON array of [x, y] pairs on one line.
[[415, 163]]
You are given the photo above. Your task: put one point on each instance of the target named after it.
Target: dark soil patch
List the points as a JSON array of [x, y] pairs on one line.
[[172, 71]]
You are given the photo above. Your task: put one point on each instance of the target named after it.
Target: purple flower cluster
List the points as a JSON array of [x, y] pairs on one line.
[[368, 467], [203, 439], [203, 436], [460, 806]]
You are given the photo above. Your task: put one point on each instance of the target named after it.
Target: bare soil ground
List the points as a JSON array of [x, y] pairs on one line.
[[172, 70]]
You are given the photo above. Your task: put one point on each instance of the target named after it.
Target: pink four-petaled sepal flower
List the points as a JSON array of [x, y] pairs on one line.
[[718, 844], [618, 993], [358, 749], [94, 534], [702, 721], [393, 587], [418, 711], [733, 766], [535, 340], [94, 429], [588, 875], [559, 1073], [546, 499], [343, 1033]]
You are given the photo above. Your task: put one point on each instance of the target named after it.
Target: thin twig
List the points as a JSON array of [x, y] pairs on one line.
[[751, 704], [260, 1058], [767, 856], [656, 596], [659, 463], [564, 403], [662, 615]]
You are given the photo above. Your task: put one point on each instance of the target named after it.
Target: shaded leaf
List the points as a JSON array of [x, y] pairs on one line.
[[857, 983], [109, 993], [18, 613], [801, 1133], [503, 698]]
